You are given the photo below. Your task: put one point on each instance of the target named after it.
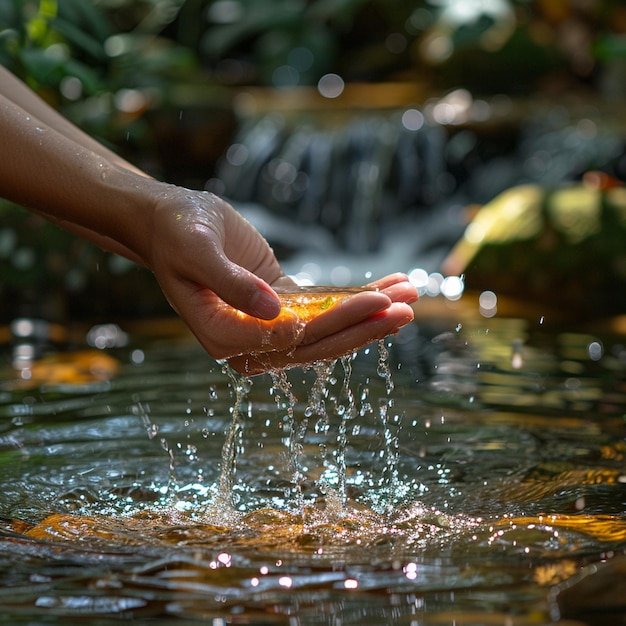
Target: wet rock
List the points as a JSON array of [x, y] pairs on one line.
[[562, 247], [597, 595]]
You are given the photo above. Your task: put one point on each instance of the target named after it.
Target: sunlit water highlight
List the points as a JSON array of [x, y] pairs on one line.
[[338, 495]]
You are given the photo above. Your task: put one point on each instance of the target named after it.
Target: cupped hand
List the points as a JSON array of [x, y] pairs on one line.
[[381, 309], [217, 272]]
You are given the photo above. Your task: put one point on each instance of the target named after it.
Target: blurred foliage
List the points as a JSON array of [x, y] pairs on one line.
[[75, 50], [49, 273], [101, 62], [489, 45]]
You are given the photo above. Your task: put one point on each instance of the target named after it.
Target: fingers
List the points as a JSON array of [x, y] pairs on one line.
[[200, 239], [397, 287], [349, 325], [347, 340], [387, 281], [347, 312], [250, 267], [234, 332], [226, 332], [238, 286]]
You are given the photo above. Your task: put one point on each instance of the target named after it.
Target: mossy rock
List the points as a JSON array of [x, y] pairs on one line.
[[565, 248]]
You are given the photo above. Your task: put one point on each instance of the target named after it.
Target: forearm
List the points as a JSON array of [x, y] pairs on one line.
[[86, 191], [17, 92]]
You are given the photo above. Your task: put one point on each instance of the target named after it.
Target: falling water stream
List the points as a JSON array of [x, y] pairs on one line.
[[295, 428], [344, 407]]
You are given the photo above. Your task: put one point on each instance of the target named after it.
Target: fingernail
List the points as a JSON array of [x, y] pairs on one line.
[[265, 305]]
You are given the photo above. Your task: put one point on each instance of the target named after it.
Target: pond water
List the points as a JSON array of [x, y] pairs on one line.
[[484, 483]]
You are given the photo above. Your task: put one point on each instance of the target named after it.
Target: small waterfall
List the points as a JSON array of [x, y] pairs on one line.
[[386, 190], [350, 179]]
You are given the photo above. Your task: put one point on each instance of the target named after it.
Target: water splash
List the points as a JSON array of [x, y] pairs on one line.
[[388, 480], [295, 434], [346, 412], [330, 401], [514, 502], [233, 443]]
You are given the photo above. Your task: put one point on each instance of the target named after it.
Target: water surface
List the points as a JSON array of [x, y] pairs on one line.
[[488, 486]]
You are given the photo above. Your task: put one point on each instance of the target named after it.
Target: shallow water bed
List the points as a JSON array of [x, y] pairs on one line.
[[487, 487]]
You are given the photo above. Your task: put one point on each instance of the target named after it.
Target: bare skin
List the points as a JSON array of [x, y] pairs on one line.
[[202, 252]]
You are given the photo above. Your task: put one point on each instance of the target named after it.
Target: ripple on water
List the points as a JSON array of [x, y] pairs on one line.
[[335, 495]]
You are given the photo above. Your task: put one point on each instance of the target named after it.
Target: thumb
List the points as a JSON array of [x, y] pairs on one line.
[[212, 250], [243, 290], [231, 279], [234, 284]]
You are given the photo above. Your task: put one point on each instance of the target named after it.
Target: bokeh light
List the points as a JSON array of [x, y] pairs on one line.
[[488, 303], [331, 85]]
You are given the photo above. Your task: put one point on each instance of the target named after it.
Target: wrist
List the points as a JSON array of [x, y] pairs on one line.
[[125, 207]]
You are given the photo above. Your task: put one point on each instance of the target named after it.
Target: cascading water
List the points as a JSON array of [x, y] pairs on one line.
[[387, 190], [321, 406]]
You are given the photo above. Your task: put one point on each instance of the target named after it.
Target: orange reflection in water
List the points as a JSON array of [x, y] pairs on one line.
[[309, 302], [75, 368]]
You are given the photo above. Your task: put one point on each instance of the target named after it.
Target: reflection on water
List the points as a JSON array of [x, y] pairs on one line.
[[491, 490]]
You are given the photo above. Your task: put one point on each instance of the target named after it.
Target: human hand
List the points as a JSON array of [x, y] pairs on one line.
[[217, 271], [380, 309]]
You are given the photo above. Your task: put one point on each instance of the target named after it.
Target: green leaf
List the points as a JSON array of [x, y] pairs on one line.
[[80, 39], [86, 14], [50, 71], [258, 19]]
